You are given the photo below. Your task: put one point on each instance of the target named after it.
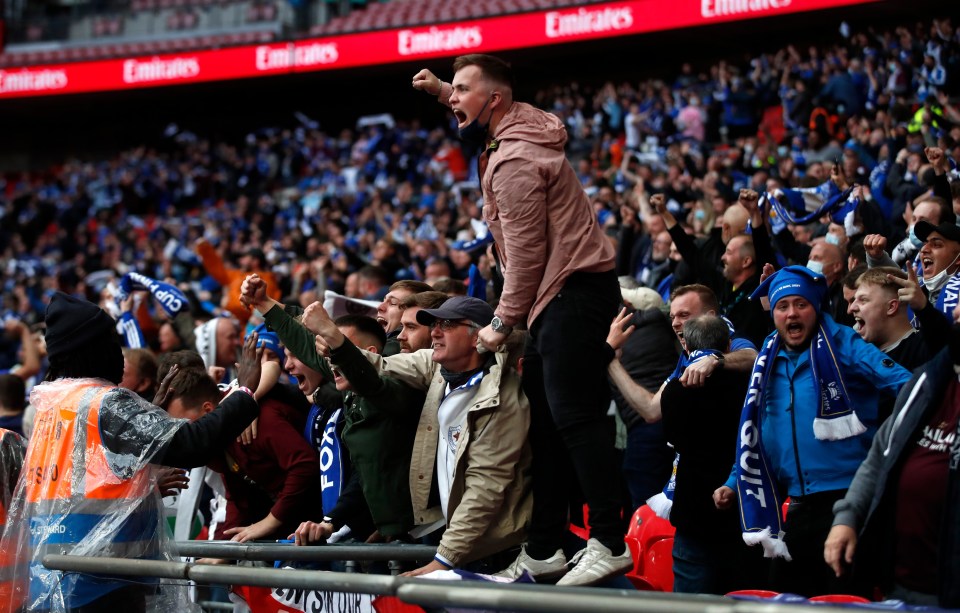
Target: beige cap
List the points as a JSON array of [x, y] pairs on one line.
[[642, 298]]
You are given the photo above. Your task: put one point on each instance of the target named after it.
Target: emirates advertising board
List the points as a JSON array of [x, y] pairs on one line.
[[488, 35]]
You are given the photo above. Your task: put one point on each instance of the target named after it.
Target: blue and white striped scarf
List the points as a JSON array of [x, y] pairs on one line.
[[760, 513]]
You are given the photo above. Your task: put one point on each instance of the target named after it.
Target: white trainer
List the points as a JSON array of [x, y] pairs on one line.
[[540, 570], [594, 563]]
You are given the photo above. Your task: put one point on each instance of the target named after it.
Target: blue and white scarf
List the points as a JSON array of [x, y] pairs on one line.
[[688, 359], [809, 204], [331, 463], [170, 298], [760, 513], [949, 296], [130, 333], [661, 503], [323, 436]]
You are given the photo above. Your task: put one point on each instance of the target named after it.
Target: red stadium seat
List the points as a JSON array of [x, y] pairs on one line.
[[658, 565], [839, 598], [650, 539], [752, 594]]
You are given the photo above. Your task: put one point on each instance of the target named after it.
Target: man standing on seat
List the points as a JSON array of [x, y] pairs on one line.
[[559, 281]]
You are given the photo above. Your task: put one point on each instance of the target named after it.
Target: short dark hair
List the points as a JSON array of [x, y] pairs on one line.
[[364, 325], [450, 287], [857, 251], [706, 332], [411, 285], [708, 299], [13, 393], [193, 386], [424, 300], [185, 358], [376, 273], [850, 280], [492, 68]]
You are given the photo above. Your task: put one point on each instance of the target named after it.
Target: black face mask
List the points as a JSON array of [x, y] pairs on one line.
[[473, 133]]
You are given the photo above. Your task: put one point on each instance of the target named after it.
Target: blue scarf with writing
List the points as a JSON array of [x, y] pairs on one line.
[[170, 298], [323, 436], [331, 464], [760, 513], [949, 296]]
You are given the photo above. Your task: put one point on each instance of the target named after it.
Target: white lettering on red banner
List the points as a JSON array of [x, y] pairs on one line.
[[585, 21], [411, 42], [32, 80], [488, 35], [278, 58], [155, 69], [719, 8], [315, 54]]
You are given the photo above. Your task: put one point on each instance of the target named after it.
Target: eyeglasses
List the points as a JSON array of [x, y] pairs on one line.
[[446, 325]]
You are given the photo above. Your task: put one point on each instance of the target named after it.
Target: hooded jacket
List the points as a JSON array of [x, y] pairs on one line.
[[870, 502], [541, 218]]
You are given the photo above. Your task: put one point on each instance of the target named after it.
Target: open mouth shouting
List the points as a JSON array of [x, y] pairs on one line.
[[461, 117], [796, 332]]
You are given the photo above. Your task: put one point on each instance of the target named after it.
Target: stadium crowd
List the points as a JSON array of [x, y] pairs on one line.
[[819, 185]]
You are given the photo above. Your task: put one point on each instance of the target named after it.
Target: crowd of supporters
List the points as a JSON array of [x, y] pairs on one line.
[[683, 176]]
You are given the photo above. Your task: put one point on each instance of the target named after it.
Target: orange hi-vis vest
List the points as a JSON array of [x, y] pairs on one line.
[[75, 501]]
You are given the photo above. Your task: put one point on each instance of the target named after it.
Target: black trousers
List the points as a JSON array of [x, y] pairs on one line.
[[809, 519], [572, 439]]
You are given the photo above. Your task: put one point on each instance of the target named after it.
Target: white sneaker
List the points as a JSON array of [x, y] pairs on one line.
[[595, 563], [541, 570]]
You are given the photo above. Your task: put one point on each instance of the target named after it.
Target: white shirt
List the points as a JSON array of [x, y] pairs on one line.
[[452, 416]]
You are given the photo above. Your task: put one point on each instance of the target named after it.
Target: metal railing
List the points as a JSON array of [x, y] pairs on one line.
[[268, 552], [431, 593]]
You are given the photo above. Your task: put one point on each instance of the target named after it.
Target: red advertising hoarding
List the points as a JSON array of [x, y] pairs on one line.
[[493, 34]]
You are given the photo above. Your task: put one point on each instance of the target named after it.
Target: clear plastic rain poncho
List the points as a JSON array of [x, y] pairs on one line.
[[88, 489], [12, 449]]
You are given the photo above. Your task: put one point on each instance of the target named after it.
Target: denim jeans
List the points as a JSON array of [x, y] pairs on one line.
[[647, 462], [716, 565]]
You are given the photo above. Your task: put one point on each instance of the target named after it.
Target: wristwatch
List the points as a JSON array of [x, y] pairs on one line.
[[497, 325], [719, 358]]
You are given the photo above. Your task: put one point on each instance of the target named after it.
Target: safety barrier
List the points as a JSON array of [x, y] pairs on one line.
[[428, 593], [311, 553]]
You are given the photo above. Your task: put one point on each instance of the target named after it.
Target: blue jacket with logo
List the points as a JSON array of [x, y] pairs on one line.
[[801, 463]]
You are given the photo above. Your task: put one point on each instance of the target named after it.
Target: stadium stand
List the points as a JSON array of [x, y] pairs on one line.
[[318, 201]]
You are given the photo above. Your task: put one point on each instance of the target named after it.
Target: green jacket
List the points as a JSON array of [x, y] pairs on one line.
[[381, 417]]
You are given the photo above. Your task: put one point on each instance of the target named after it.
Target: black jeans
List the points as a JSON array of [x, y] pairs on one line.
[[809, 520], [565, 379]]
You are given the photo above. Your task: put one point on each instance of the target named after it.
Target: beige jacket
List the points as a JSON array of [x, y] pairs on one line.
[[544, 224], [490, 499]]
